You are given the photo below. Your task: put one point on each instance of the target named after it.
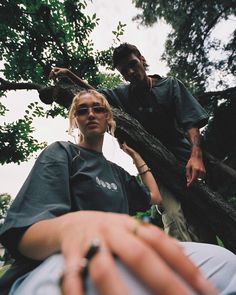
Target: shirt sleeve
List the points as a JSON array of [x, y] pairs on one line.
[[189, 112], [118, 96], [138, 195], [44, 195]]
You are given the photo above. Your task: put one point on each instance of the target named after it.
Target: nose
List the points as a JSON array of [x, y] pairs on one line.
[[130, 72], [90, 112]]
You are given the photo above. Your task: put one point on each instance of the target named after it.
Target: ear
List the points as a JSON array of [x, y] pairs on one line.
[[107, 116], [143, 60]]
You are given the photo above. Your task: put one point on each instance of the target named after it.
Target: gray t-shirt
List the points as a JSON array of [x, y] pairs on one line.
[[67, 178], [166, 111]]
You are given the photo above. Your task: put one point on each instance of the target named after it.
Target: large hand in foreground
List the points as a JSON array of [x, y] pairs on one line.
[[156, 259]]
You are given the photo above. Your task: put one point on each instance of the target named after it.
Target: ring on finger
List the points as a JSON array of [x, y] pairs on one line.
[[82, 267], [75, 269], [200, 179], [145, 220]]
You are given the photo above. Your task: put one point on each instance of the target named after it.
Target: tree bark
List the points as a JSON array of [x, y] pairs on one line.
[[209, 204]]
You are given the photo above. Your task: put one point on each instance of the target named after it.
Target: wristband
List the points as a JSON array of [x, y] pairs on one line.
[[138, 167], [145, 171]]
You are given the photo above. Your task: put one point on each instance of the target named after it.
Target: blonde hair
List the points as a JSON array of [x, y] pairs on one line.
[[104, 103]]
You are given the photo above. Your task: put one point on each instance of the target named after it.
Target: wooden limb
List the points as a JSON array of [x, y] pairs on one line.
[[6, 85], [220, 165], [210, 205]]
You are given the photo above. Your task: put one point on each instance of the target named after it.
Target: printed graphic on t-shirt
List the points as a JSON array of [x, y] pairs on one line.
[[111, 186]]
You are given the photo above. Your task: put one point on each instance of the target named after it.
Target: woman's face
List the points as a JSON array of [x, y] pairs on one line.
[[91, 116]]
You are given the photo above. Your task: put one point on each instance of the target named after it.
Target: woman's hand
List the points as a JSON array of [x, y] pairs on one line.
[[145, 173], [128, 150], [156, 259]]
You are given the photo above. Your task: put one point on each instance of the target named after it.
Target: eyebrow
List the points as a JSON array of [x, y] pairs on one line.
[[84, 105]]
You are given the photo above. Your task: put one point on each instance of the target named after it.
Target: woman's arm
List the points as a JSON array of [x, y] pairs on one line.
[[145, 174]]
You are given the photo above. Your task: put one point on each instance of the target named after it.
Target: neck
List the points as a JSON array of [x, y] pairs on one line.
[[93, 143], [146, 83]]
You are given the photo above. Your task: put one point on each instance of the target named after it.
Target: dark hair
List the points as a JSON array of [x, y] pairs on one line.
[[122, 51]]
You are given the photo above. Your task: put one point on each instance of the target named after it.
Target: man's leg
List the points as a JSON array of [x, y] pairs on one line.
[[173, 218]]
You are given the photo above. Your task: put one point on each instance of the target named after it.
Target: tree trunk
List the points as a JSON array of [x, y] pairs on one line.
[[209, 207]]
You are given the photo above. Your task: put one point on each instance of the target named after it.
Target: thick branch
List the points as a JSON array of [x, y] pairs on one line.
[[222, 93], [220, 165], [6, 85], [200, 198], [216, 211]]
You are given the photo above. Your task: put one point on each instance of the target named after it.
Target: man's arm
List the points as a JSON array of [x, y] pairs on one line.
[[195, 169], [57, 72]]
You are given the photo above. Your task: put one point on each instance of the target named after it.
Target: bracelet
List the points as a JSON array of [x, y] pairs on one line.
[[144, 171], [138, 167]]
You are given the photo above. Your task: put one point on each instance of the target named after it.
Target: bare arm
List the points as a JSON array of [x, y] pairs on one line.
[[145, 174], [57, 72], [195, 167], [72, 234], [42, 239]]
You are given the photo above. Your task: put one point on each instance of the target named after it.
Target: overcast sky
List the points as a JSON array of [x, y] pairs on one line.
[[150, 41]]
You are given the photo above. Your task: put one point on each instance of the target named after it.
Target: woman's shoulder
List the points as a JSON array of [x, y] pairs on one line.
[[59, 151], [121, 171]]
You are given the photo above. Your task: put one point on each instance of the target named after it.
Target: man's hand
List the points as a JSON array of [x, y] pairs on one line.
[[195, 170], [57, 72]]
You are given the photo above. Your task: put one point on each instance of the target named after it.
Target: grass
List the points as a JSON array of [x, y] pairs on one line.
[[3, 269]]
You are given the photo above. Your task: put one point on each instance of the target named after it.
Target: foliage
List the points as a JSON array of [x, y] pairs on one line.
[[5, 200], [200, 60], [190, 44], [4, 269], [34, 36], [16, 139]]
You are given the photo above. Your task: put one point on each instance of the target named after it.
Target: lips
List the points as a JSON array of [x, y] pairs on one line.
[[91, 124]]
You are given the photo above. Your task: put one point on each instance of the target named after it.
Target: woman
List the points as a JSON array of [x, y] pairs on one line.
[[71, 213]]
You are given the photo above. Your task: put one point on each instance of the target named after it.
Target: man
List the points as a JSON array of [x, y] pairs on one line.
[[168, 111]]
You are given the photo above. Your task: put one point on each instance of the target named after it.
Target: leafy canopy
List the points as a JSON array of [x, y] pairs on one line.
[[191, 44], [36, 35], [201, 60]]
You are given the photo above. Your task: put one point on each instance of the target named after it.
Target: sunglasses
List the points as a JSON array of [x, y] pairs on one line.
[[96, 110]]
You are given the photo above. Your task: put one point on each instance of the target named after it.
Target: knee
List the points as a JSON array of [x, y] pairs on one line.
[[225, 256]]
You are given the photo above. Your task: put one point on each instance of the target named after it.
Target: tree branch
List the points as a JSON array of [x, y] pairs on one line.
[[221, 93], [6, 85], [199, 199]]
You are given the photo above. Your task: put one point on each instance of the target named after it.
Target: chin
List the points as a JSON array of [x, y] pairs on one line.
[[95, 133]]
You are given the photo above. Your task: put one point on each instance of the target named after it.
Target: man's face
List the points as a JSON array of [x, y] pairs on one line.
[[132, 68]]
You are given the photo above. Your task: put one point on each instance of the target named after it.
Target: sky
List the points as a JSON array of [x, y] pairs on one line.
[[150, 41]]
